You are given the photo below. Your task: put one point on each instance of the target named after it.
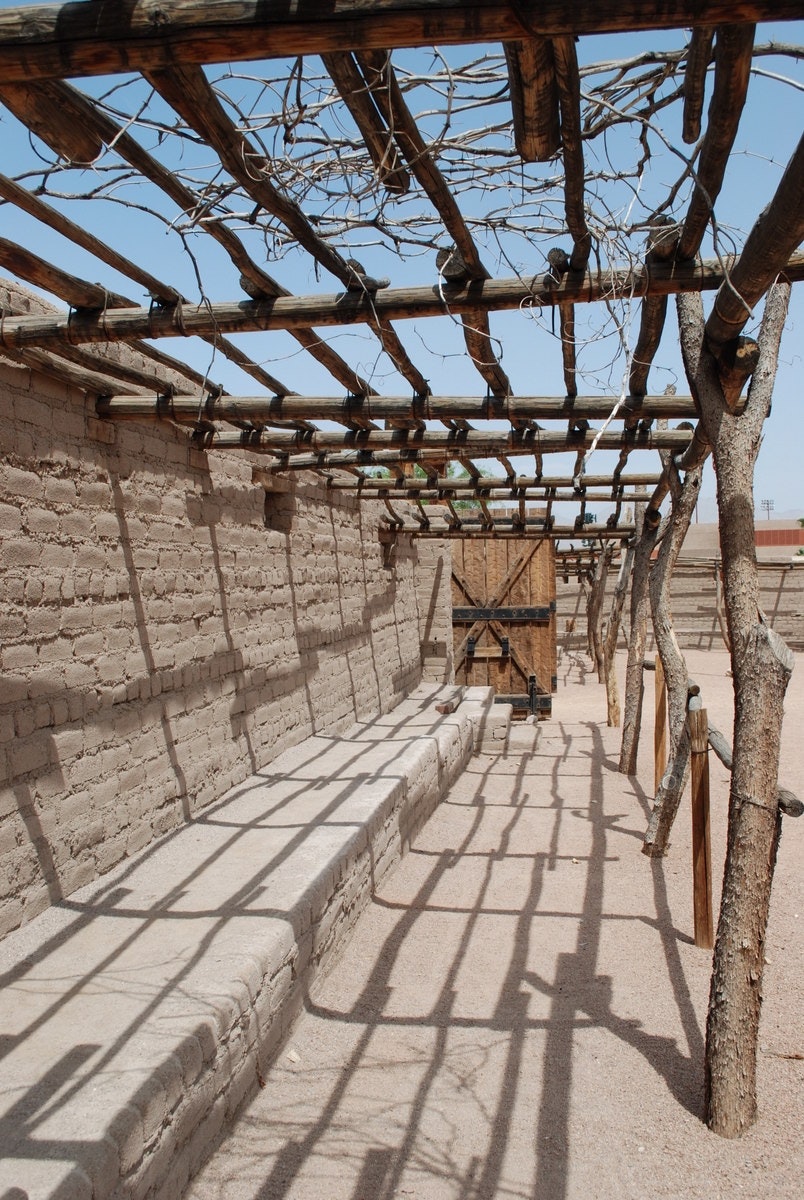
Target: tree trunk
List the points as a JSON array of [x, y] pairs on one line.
[[647, 537], [610, 640], [597, 595], [668, 797], [761, 667]]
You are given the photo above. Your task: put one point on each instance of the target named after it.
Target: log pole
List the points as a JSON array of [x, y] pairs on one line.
[[701, 838], [659, 726]]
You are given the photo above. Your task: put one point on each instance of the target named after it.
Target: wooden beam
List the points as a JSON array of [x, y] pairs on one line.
[[74, 39], [380, 78], [483, 483], [295, 312], [511, 529], [733, 50], [255, 281], [534, 98], [776, 233], [187, 90], [662, 243], [359, 99], [699, 52], [350, 410], [569, 95], [40, 107], [459, 443]]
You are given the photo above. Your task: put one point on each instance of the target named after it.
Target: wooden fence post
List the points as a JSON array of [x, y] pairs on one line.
[[659, 728], [701, 841]]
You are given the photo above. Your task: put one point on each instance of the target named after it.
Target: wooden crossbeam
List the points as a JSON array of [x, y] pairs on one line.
[[72, 39], [40, 107], [510, 529], [295, 312], [460, 443], [569, 96], [486, 483], [357, 409]]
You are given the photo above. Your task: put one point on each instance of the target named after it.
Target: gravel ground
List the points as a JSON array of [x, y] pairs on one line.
[[520, 1012]]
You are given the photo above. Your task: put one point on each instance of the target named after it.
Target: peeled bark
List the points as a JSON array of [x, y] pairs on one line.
[[761, 667]]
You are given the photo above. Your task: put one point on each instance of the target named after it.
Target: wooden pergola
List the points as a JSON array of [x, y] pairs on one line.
[[308, 184]]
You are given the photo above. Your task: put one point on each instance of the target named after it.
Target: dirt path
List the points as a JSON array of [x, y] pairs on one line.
[[520, 1013]]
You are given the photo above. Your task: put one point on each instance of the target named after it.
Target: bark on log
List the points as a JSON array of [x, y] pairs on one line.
[[761, 668], [699, 53]]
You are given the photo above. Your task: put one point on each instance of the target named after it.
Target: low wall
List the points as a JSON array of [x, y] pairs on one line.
[[167, 628]]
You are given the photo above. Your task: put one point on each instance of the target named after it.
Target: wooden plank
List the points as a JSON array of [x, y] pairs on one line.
[[298, 312], [701, 836], [72, 39], [453, 443], [534, 98]]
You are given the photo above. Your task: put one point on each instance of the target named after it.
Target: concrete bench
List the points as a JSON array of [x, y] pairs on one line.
[[137, 1015]]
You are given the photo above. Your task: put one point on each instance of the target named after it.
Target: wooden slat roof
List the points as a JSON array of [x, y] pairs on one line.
[[469, 185]]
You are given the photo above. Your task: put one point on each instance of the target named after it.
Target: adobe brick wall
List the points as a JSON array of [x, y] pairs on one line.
[[166, 629]]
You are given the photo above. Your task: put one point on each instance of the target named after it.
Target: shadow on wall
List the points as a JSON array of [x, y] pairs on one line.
[[212, 628]]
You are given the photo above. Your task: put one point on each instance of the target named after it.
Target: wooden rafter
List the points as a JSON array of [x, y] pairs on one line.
[[293, 312], [359, 99], [733, 48], [534, 98], [699, 53], [100, 39], [255, 280]]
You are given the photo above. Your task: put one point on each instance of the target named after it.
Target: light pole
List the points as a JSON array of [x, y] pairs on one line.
[[768, 507]]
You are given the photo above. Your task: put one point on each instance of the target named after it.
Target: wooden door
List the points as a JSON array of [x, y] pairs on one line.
[[503, 618]]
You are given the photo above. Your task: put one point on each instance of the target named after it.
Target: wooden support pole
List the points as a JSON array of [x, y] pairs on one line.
[[701, 839], [659, 726]]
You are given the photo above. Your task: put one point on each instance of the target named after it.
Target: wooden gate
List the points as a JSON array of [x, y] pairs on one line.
[[503, 618]]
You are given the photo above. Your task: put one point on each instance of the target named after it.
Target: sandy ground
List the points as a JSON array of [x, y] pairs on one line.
[[520, 1013]]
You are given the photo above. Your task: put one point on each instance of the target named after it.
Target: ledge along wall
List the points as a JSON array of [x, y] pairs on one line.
[[167, 628]]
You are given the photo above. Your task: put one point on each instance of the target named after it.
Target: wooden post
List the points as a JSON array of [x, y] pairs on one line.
[[701, 841], [659, 727]]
